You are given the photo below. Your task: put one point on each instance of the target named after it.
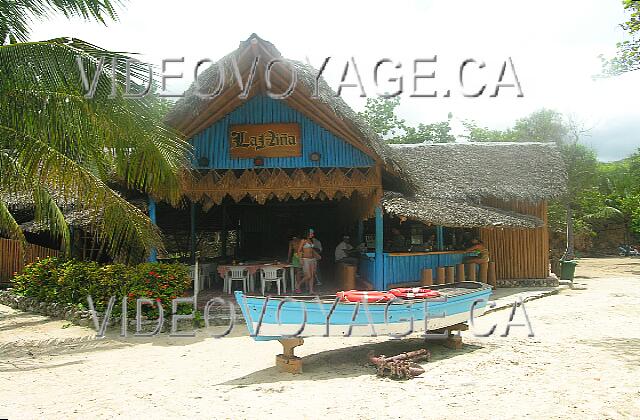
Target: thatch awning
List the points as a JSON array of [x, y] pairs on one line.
[[450, 182], [474, 171], [450, 213], [22, 205]]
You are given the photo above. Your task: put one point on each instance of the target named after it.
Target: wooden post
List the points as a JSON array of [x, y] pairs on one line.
[[450, 274], [454, 342], [378, 280], [349, 277], [287, 361], [192, 237], [427, 277], [225, 233], [492, 273], [439, 238], [153, 255], [460, 272], [471, 275], [440, 275], [484, 268]]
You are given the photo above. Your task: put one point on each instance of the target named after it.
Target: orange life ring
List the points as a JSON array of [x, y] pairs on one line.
[[414, 293], [364, 296]]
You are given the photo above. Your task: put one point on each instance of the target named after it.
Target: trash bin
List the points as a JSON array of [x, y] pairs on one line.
[[567, 269]]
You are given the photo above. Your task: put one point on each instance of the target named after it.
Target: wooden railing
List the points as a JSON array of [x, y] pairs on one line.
[[12, 260]]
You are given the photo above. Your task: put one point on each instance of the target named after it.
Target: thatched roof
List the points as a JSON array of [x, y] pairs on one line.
[[22, 205], [452, 213], [192, 107], [473, 171], [82, 219], [450, 181]]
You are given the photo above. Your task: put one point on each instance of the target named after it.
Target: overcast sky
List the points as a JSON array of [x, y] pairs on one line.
[[554, 46]]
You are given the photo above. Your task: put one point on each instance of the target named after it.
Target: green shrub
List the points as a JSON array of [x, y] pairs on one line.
[[55, 280]]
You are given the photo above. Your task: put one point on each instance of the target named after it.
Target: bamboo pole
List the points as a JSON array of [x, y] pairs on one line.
[[349, 277], [483, 272], [460, 272], [427, 277], [491, 277], [471, 275], [450, 274]]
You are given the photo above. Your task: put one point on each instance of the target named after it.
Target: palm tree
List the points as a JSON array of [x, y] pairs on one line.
[[56, 146]]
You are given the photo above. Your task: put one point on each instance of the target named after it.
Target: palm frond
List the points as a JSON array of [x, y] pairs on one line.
[[9, 226], [68, 147], [17, 15], [48, 213]]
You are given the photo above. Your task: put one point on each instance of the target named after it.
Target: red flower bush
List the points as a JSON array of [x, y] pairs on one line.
[[55, 280]]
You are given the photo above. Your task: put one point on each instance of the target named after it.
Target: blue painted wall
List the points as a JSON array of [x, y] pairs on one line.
[[213, 142], [405, 269]]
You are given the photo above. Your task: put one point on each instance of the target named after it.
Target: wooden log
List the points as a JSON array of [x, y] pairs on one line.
[[450, 274], [460, 272], [491, 277], [427, 277], [484, 267], [440, 275], [349, 277], [471, 268]]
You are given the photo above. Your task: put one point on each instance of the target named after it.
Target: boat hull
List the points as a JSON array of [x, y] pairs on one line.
[[278, 317]]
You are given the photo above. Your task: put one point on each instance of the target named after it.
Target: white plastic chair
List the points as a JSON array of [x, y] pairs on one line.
[[236, 273], [274, 275]]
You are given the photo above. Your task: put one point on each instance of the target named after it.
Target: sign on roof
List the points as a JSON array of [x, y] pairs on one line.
[[264, 140]]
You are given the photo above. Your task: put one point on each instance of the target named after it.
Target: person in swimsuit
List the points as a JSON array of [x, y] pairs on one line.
[[483, 253], [309, 262]]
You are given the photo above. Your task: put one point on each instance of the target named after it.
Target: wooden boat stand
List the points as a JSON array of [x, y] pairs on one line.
[[287, 361], [453, 341]]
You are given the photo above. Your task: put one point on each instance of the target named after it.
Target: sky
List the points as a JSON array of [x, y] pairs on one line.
[[553, 45]]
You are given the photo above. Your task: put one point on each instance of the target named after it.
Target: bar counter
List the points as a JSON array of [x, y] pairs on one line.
[[406, 267]]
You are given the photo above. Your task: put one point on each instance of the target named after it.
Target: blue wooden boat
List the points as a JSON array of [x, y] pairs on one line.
[[279, 317]]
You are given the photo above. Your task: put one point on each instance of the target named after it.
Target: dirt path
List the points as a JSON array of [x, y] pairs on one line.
[[584, 362]]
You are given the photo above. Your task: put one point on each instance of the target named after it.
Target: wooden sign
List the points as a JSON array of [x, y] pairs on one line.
[[265, 140]]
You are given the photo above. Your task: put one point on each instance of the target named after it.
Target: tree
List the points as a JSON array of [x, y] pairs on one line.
[[544, 125], [17, 14], [628, 55], [56, 146], [619, 192], [581, 164], [380, 114], [478, 133]]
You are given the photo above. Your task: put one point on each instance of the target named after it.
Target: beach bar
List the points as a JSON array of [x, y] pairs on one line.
[[266, 167]]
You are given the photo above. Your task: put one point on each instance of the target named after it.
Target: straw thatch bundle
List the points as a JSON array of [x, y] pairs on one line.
[[451, 180]]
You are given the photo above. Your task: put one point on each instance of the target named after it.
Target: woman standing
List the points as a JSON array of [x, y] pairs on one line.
[[309, 262]]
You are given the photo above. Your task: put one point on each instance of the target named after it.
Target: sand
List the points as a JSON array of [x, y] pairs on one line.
[[584, 362]]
